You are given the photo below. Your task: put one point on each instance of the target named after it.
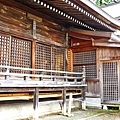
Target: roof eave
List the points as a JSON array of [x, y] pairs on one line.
[[102, 15]]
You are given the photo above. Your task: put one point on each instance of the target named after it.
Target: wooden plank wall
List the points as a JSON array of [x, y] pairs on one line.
[[20, 23], [106, 54]]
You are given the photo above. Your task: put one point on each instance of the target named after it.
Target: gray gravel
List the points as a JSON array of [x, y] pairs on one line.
[[89, 114]]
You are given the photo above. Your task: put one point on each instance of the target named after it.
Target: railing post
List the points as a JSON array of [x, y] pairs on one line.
[[35, 104], [70, 105], [65, 79], [6, 75], [83, 71], [40, 78], [83, 101], [25, 78], [64, 101], [83, 91]]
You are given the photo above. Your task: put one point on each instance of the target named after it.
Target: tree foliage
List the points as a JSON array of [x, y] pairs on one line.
[[105, 2]]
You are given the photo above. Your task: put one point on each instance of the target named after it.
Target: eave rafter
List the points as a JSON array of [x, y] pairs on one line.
[[64, 13], [70, 12]]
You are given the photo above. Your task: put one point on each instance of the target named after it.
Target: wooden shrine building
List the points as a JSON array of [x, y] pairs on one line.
[[46, 36]]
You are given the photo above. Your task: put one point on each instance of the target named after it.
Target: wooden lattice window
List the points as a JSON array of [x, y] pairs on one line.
[[15, 52], [4, 49], [43, 57], [48, 57], [110, 81], [87, 59], [57, 59], [20, 53]]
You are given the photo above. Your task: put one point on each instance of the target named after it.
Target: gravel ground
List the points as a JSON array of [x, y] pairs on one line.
[[89, 114]]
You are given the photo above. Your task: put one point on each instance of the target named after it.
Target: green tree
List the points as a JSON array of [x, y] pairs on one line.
[[105, 2]]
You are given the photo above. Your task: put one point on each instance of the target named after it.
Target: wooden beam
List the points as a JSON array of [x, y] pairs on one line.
[[8, 31], [14, 4], [83, 49], [84, 64], [78, 36], [106, 44], [91, 33], [80, 43]]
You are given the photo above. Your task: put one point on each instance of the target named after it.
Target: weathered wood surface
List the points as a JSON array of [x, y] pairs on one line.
[[93, 88], [80, 45], [89, 34], [18, 22], [105, 53]]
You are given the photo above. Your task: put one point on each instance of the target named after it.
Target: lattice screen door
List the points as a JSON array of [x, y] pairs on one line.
[[110, 72]]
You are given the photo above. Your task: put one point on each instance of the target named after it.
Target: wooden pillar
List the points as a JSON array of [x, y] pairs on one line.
[[66, 54], [35, 103], [64, 102], [33, 55]]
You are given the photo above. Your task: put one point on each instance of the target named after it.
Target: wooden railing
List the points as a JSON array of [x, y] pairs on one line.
[[56, 80], [51, 75]]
